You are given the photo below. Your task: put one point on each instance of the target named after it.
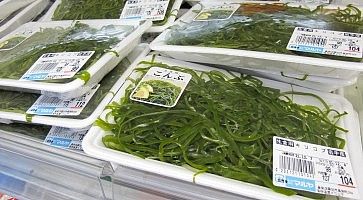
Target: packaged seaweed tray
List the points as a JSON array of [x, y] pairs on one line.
[[289, 38], [163, 13], [76, 112], [14, 13], [218, 129], [63, 56]]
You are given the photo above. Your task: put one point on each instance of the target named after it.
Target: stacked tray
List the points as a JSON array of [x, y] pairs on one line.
[[62, 10]]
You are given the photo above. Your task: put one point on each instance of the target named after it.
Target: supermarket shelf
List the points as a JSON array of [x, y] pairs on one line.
[[32, 170]]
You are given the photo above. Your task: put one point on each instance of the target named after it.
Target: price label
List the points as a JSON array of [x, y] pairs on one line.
[[313, 168], [161, 87], [145, 9], [326, 42], [46, 105], [66, 138], [57, 65]]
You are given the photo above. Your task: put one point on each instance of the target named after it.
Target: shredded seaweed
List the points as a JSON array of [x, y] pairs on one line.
[[97, 9]]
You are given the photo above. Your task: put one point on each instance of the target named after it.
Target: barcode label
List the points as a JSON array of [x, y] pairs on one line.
[[311, 40], [297, 165], [326, 42], [133, 11], [57, 65], [313, 168], [140, 9], [56, 106], [66, 138], [51, 101], [43, 67]]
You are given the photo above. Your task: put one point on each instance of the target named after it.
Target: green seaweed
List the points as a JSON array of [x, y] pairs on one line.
[[32, 130], [97, 9], [221, 124]]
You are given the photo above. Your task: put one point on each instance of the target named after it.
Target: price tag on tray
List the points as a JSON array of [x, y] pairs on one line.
[[326, 42], [57, 65], [66, 138], [145, 9], [55, 106], [313, 168]]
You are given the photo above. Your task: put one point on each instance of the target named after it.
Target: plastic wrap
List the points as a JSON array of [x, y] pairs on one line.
[[21, 12]]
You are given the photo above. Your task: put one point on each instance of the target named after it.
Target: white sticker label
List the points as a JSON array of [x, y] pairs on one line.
[[313, 168], [57, 65], [217, 12], [145, 9], [161, 87], [326, 42], [306, 1], [66, 138], [46, 105]]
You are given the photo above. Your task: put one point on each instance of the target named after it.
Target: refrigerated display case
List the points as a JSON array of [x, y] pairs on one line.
[[30, 169]]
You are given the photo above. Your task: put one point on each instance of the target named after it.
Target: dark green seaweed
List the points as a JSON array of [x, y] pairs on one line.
[[221, 124]]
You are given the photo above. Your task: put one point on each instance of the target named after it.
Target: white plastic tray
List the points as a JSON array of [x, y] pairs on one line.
[[137, 54], [25, 15], [97, 71], [254, 59], [9, 6], [92, 143], [354, 94], [174, 11], [313, 82]]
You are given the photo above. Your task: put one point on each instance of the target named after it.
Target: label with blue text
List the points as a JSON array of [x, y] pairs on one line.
[[46, 105], [313, 168], [66, 138], [326, 42], [153, 10], [57, 65]]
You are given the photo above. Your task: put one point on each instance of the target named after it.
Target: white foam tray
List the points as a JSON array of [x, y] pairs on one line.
[[97, 71], [8, 117], [92, 143], [313, 82], [9, 6], [354, 94], [254, 59], [27, 14], [154, 29]]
